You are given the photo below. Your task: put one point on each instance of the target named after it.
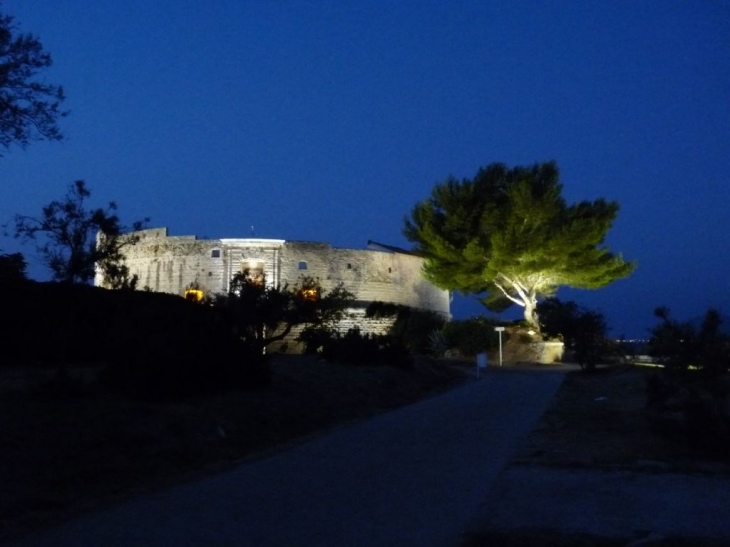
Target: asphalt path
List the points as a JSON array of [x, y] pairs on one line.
[[415, 476]]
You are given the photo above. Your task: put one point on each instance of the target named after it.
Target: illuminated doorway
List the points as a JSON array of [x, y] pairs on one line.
[[253, 271]]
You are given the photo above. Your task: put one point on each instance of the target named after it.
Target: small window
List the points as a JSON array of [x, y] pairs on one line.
[[302, 265], [215, 253], [390, 270], [349, 266]]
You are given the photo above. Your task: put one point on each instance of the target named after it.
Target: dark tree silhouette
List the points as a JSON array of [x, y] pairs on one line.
[[13, 267], [261, 315], [29, 107], [73, 240]]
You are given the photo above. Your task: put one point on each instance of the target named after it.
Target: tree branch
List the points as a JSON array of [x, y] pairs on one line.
[[512, 298]]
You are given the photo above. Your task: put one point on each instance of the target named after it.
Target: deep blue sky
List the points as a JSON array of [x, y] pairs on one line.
[[327, 121]]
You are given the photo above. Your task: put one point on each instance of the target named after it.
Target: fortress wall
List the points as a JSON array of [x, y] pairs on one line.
[[369, 275], [172, 264]]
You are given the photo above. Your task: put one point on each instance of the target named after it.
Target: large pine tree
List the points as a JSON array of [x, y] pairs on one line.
[[509, 234]]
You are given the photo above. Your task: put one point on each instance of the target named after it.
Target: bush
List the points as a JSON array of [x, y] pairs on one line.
[[694, 380], [582, 330], [411, 327], [437, 344], [154, 345], [471, 336], [679, 345], [315, 338], [354, 347]]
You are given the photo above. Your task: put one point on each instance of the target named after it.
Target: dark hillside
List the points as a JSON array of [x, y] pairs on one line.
[[150, 342]]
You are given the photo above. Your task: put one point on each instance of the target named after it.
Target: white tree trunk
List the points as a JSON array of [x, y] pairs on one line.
[[531, 316], [527, 298]]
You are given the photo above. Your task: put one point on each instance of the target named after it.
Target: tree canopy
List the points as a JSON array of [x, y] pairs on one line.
[[72, 240], [29, 108], [261, 315], [13, 268], [508, 234]]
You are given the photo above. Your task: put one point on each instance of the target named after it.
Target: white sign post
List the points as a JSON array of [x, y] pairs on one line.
[[500, 330]]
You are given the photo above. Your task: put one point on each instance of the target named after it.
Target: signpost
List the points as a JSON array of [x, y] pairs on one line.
[[500, 330]]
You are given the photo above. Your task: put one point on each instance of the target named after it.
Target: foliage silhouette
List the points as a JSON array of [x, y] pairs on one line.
[[582, 330], [261, 315], [13, 268], [73, 240], [29, 107]]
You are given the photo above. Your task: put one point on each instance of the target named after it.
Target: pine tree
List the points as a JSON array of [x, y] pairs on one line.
[[509, 234]]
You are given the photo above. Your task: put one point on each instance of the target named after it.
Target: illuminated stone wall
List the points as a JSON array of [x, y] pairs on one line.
[[172, 264], [370, 275]]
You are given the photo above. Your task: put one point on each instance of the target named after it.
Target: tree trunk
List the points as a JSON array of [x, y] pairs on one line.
[[531, 316], [525, 297]]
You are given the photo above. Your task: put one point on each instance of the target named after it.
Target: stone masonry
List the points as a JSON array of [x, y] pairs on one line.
[[173, 264]]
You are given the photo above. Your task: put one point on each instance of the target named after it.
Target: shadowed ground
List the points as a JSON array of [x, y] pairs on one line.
[[414, 476]]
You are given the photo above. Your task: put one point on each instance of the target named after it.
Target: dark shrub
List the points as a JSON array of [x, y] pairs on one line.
[[154, 344], [680, 345], [471, 336], [354, 347], [411, 327], [13, 268], [581, 329], [315, 338], [695, 379]]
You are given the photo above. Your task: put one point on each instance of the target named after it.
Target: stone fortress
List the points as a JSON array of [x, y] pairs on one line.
[[174, 264]]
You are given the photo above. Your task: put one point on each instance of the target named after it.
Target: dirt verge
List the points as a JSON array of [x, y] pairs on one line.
[[602, 420]]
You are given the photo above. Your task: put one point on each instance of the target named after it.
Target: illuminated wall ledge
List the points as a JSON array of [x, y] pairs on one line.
[[251, 242]]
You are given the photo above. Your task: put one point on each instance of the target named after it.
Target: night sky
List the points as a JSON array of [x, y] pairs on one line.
[[327, 121]]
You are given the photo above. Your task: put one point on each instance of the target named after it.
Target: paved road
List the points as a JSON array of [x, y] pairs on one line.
[[415, 476]]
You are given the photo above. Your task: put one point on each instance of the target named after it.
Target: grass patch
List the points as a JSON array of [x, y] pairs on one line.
[[601, 420]]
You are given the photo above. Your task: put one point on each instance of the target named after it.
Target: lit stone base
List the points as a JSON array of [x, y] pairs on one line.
[[524, 348], [548, 352]]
